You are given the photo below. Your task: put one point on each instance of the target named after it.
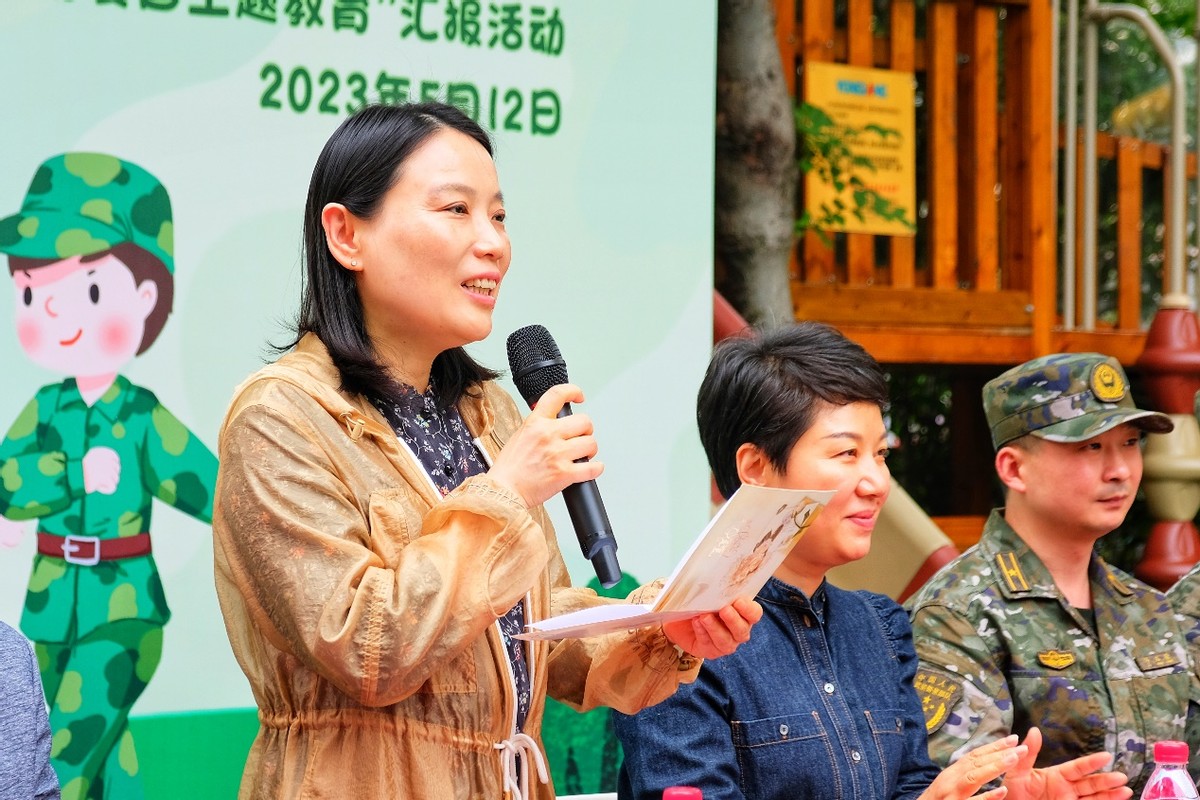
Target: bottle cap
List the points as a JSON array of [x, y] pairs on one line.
[[1170, 752], [682, 793]]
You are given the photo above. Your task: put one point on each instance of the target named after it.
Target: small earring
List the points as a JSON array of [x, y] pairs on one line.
[[354, 262]]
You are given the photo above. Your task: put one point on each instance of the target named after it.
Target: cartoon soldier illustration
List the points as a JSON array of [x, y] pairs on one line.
[[91, 258]]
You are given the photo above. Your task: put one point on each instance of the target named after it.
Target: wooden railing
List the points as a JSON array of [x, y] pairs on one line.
[[1135, 162], [979, 283]]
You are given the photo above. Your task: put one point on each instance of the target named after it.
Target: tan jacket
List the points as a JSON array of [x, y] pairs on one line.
[[362, 606]]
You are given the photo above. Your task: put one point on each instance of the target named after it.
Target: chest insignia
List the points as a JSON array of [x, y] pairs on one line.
[[939, 695], [1157, 661], [1056, 659]]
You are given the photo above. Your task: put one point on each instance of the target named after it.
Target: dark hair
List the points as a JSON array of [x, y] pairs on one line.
[[143, 265], [764, 389], [358, 165]]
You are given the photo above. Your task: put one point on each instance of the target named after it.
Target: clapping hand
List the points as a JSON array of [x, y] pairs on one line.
[[1076, 779], [981, 766]]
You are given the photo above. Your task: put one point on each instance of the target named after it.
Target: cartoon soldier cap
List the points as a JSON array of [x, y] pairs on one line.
[[84, 203], [1065, 397]]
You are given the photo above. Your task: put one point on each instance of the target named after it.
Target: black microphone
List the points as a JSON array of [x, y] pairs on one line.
[[537, 365]]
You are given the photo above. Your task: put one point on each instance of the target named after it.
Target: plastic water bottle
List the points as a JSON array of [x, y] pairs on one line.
[[1170, 779], [682, 793]]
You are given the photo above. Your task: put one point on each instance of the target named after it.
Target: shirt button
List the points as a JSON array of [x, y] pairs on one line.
[[829, 688], [855, 756], [783, 730]]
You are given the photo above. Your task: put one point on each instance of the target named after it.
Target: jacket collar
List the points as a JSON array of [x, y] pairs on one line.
[[782, 593], [310, 367], [1020, 573]]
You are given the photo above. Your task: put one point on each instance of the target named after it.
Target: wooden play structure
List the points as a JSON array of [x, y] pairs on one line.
[[978, 289]]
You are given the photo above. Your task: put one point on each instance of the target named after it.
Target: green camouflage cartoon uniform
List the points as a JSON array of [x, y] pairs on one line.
[[96, 619], [1000, 648]]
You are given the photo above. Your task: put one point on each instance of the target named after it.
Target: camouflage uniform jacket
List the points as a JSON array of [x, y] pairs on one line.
[[362, 605], [1185, 599], [1001, 651], [41, 476]]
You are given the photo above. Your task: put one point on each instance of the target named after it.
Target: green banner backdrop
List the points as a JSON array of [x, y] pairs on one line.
[[603, 116]]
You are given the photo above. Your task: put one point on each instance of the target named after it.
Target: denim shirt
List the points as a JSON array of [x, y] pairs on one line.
[[818, 704]]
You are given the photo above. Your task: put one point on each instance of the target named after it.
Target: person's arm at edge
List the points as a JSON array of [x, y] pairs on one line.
[[917, 771], [979, 709]]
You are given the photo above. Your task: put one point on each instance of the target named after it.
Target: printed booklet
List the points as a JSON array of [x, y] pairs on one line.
[[743, 544]]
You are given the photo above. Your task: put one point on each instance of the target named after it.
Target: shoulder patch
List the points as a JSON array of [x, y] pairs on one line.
[[1010, 570], [939, 695], [1056, 659]]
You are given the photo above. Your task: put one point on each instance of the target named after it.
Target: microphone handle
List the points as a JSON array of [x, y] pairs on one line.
[[591, 524]]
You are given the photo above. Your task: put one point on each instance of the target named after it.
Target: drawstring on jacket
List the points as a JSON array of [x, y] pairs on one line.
[[520, 744]]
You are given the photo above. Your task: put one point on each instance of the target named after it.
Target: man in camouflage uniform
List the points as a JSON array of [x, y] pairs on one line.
[[1031, 628], [91, 258]]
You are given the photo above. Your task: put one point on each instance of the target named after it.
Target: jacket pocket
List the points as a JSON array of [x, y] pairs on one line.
[[887, 733], [1068, 705], [792, 750], [458, 676], [392, 522], [1160, 696]]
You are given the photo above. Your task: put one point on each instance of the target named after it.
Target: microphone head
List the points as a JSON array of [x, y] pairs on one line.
[[535, 362]]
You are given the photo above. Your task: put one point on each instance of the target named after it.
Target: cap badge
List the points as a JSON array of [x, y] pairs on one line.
[[1107, 384]]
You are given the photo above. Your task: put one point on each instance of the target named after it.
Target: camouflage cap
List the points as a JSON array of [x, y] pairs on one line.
[[84, 203], [1065, 397]]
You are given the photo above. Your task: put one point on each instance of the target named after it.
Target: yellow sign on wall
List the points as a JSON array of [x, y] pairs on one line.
[[859, 142]]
